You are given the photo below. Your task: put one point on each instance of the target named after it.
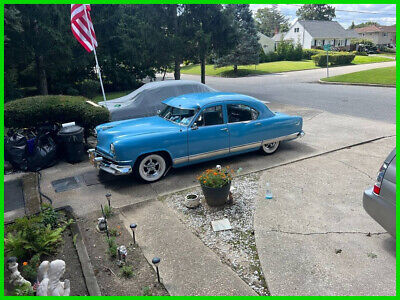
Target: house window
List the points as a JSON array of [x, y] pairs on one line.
[[384, 34], [296, 29]]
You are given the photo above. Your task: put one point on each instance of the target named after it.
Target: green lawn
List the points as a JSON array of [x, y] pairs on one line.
[[377, 76], [110, 96], [271, 67]]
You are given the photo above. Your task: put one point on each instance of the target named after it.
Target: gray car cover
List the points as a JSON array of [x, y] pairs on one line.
[[146, 100]]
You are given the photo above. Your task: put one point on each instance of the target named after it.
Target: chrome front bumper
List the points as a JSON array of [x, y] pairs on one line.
[[99, 162]]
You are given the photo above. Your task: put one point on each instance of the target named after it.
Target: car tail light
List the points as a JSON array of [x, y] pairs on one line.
[[377, 186]]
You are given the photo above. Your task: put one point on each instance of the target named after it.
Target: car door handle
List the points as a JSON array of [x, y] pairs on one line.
[[224, 129], [258, 124]]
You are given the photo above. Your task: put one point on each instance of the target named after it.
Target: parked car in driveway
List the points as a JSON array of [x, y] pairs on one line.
[[147, 100], [379, 201], [191, 128]]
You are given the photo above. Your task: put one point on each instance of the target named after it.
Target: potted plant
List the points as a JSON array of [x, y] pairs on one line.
[[216, 184]]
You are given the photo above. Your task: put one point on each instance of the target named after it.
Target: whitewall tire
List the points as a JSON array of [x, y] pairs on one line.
[[151, 167], [269, 148]]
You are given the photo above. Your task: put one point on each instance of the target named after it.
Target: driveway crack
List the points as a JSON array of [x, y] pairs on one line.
[[355, 168]]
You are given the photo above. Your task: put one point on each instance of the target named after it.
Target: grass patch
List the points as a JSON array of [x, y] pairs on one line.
[[110, 96], [374, 76], [272, 67], [359, 60]]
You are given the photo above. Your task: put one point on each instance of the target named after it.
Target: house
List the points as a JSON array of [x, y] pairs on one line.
[[277, 38], [314, 34], [379, 35], [266, 42]]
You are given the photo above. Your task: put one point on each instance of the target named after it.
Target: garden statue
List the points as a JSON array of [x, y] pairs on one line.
[[102, 224], [42, 270], [16, 278], [51, 284], [122, 253]]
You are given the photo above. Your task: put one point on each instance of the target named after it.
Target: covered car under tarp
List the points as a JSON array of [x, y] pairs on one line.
[[146, 100]]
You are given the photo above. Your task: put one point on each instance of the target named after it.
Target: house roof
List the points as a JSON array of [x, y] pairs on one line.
[[376, 28], [278, 36], [326, 29]]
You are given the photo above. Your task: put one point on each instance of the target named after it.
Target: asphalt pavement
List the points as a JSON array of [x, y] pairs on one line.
[[301, 88]]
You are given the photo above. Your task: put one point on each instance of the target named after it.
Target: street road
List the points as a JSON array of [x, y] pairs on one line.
[[301, 88]]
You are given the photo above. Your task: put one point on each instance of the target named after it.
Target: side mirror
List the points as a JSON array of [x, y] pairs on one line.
[[194, 126]]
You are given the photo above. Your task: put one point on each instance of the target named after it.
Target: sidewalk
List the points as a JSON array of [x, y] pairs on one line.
[[188, 267], [312, 236]]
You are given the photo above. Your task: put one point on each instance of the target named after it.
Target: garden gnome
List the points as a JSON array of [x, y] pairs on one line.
[[51, 284], [16, 278], [101, 224]]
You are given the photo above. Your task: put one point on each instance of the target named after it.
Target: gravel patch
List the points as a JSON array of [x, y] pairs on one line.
[[237, 246]]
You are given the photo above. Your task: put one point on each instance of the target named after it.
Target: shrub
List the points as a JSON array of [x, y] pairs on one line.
[[298, 52], [89, 88], [112, 247], [35, 111], [268, 57], [127, 271], [359, 53], [29, 236], [147, 291], [108, 211], [335, 58], [50, 216], [307, 53], [23, 290]]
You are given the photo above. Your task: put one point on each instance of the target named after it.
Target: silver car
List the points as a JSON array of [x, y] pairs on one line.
[[380, 201], [146, 100]]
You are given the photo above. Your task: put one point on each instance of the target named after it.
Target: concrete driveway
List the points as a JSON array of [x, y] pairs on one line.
[[301, 88], [324, 132], [313, 236]]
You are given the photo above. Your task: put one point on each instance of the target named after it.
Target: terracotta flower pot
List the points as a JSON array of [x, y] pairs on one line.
[[216, 196]]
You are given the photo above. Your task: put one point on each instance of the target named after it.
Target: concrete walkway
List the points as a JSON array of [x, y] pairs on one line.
[[188, 267], [312, 236]]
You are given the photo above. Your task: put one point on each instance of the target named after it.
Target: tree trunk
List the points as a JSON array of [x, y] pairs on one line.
[[177, 61], [42, 78], [177, 69], [203, 68], [235, 69]]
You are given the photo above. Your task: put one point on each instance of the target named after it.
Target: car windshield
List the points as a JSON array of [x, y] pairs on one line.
[[177, 115]]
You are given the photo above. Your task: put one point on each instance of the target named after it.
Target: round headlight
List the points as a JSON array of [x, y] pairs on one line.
[[112, 148]]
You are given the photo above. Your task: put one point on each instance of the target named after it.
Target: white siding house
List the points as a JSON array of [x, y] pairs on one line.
[[266, 43], [312, 34]]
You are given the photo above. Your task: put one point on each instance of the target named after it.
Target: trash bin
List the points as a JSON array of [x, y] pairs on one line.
[[71, 143]]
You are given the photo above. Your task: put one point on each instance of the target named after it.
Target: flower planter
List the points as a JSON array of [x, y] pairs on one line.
[[216, 196], [192, 200]]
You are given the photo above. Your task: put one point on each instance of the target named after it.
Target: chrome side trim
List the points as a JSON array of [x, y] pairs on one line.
[[246, 147], [208, 154], [180, 160], [284, 138]]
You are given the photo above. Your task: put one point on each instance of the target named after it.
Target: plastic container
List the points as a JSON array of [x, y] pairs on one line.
[[268, 193], [70, 139]]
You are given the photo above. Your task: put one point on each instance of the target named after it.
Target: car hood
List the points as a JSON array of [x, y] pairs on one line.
[[115, 132]]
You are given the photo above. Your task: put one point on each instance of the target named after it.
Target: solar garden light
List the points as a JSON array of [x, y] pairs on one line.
[[133, 227], [108, 196], [155, 262]]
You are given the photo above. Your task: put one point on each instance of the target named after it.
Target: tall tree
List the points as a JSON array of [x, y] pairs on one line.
[[207, 28], [271, 21], [320, 12], [247, 48], [364, 24]]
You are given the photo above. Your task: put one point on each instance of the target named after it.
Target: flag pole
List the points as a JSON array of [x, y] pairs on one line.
[[94, 51]]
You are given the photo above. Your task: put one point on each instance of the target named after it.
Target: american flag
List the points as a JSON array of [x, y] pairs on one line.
[[80, 24]]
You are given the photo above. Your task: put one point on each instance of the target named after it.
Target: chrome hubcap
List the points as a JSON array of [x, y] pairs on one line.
[[271, 147], [152, 167]]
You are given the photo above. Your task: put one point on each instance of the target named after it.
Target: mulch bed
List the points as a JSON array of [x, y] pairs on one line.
[[106, 269]]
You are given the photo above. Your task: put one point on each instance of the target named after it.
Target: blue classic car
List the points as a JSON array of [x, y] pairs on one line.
[[191, 128]]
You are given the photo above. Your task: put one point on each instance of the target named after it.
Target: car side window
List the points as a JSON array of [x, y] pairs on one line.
[[211, 116], [241, 113]]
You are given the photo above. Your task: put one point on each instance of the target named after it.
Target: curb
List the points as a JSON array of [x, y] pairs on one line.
[[357, 84], [87, 268]]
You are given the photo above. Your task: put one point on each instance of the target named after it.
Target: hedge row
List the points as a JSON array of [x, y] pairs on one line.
[[335, 58], [35, 111]]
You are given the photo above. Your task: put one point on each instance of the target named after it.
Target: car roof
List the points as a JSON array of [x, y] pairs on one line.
[[198, 100]]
